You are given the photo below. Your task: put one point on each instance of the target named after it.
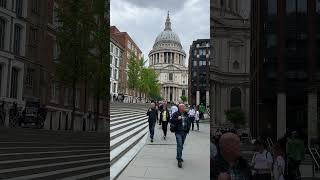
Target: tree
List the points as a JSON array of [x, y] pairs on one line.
[[133, 72], [183, 98], [236, 116], [100, 56], [73, 38]]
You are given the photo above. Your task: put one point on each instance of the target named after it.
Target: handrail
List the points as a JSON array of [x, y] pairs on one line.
[[313, 157]]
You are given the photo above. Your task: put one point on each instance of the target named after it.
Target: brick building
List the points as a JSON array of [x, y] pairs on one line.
[[130, 46], [28, 65]]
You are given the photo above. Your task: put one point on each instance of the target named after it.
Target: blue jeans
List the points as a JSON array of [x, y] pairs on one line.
[[151, 129], [180, 138]]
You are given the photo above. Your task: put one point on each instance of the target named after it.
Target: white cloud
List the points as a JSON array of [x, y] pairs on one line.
[[143, 20]]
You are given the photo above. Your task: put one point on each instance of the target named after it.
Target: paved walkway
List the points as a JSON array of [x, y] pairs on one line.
[[157, 161]]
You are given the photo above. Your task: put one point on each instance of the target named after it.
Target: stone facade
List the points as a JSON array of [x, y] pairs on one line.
[[230, 65], [168, 59], [116, 51]]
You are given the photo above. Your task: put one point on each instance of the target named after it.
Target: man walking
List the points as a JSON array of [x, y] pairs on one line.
[[152, 119], [182, 126], [202, 109], [229, 164]]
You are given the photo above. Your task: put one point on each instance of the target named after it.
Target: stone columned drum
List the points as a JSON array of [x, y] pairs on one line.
[[168, 59]]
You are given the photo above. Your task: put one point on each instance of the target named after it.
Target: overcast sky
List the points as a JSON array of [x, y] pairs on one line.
[[143, 20]]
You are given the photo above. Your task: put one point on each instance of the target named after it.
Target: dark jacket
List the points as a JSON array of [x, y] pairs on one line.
[[168, 115], [219, 165], [182, 125], [153, 115]]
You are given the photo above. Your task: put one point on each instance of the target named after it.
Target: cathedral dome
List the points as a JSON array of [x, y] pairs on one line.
[[167, 38]]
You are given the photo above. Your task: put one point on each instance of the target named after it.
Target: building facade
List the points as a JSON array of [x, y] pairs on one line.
[[168, 59], [285, 67], [28, 58], [130, 96], [230, 49], [199, 59], [116, 51]]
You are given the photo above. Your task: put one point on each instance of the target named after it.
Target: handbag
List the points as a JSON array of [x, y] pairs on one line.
[[172, 127]]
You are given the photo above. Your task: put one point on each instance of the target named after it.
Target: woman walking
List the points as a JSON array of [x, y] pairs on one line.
[[164, 119]]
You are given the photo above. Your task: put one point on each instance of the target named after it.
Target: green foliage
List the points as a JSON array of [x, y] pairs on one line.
[[183, 98], [143, 79], [236, 116]]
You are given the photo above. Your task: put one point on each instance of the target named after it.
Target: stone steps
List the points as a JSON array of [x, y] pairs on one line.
[[42, 154], [128, 130]]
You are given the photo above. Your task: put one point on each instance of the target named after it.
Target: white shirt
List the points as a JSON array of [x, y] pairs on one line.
[[173, 109], [278, 168], [192, 113], [262, 161], [197, 116]]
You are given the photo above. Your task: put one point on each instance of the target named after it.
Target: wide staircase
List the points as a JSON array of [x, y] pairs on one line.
[[310, 167], [128, 133]]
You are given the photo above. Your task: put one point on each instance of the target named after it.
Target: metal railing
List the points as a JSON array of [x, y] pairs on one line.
[[315, 156]]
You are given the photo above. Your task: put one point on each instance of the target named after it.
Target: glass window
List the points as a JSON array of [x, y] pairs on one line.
[[111, 48], [272, 7], [114, 87], [236, 65], [29, 77], [170, 76], [17, 39], [19, 8], [14, 83], [2, 32], [302, 6], [271, 40], [318, 6], [35, 6], [3, 3], [116, 62], [291, 6], [194, 63], [236, 97], [117, 51], [33, 35], [115, 74]]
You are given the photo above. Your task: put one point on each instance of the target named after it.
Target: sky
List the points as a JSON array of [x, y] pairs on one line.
[[143, 20]]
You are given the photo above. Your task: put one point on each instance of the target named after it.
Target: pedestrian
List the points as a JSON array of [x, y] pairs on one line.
[[202, 109], [164, 119], [278, 168], [197, 118], [152, 119], [191, 115], [261, 162], [174, 109], [295, 154], [181, 123], [228, 163]]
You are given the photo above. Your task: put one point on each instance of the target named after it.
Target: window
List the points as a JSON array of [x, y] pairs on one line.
[[17, 39], [111, 48], [3, 3], [35, 6], [66, 96], [129, 45], [271, 41], [183, 92], [235, 98], [170, 76], [291, 6], [236, 65], [114, 88], [117, 51], [14, 83], [29, 77], [318, 6], [112, 75], [55, 92], [2, 32], [115, 74], [77, 98], [302, 6], [55, 20], [116, 62], [195, 63], [56, 51], [272, 7], [19, 8], [33, 35], [231, 4]]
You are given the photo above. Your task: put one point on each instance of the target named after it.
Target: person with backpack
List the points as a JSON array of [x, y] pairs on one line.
[[191, 115], [279, 165], [152, 119], [164, 120], [261, 162], [197, 118], [180, 125]]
